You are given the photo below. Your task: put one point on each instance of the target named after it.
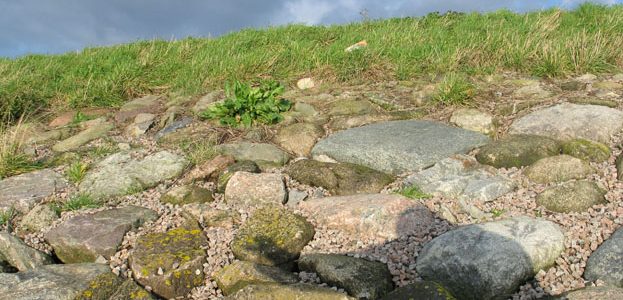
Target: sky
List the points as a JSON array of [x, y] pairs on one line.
[[57, 26]]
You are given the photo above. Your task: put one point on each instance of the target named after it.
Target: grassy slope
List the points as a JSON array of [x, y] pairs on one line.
[[549, 43]]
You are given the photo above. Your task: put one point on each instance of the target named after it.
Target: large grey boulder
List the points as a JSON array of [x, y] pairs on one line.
[[51, 282], [360, 278], [464, 178], [19, 255], [22, 192], [376, 216], [85, 237], [397, 146], [491, 260], [606, 263], [569, 121], [119, 173]]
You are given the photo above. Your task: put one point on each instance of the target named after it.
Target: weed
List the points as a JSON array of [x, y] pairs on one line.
[[13, 161], [7, 216], [454, 89], [79, 201], [497, 212], [76, 171], [246, 105], [80, 117], [135, 189], [414, 192]]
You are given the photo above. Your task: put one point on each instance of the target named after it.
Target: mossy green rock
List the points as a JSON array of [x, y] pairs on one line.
[[241, 166], [339, 178], [187, 194], [572, 196], [517, 151], [360, 278], [272, 236], [586, 150], [351, 107], [171, 262], [297, 291], [423, 290], [239, 274], [108, 286], [558, 168]]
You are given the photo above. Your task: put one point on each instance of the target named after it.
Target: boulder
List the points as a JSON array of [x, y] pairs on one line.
[[473, 119], [186, 194], [209, 169], [360, 278], [19, 255], [213, 217], [241, 166], [39, 217], [517, 151], [339, 178], [239, 274], [397, 146], [593, 293], [490, 260], [586, 150], [287, 292], [152, 104], [299, 138], [272, 236], [142, 123], [558, 168], [375, 216], [23, 191], [85, 237], [571, 121], [422, 290], [249, 189], [350, 107], [260, 153], [572, 196], [606, 263], [83, 137]]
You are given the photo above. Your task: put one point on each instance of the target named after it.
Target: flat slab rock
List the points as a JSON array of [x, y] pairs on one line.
[[24, 191], [258, 152], [606, 263], [397, 146], [119, 173], [569, 121], [462, 177], [376, 216], [19, 255], [85, 237], [51, 282], [490, 260], [249, 189]]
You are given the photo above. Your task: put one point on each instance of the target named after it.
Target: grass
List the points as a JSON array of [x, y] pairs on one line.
[[454, 89], [6, 216], [76, 171], [76, 202], [414, 192], [550, 43], [200, 150], [13, 161]]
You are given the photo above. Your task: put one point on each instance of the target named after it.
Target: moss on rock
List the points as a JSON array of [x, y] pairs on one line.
[[517, 151], [586, 150]]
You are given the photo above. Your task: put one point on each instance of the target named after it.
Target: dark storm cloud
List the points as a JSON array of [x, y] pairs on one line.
[[53, 26]]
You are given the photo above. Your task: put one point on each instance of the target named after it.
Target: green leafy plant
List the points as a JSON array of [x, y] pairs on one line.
[[76, 171], [497, 212], [454, 89], [414, 192], [80, 117], [246, 105], [79, 201]]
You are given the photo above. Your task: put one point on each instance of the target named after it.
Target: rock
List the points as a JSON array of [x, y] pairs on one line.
[[67, 118], [339, 178], [586, 150], [345, 122], [619, 166], [51, 282], [360, 278], [534, 91], [210, 169], [606, 263], [517, 151], [572, 196], [299, 138], [587, 78], [83, 137], [173, 127], [241, 166], [570, 121], [607, 85], [151, 104], [142, 123], [558, 169], [397, 146], [23, 191], [422, 290], [593, 292], [272, 236], [594, 101], [473, 119], [239, 274], [462, 177], [119, 173], [19, 255], [618, 77], [248, 189], [295, 197], [171, 262], [213, 217], [129, 289], [39, 217], [305, 83], [351, 107], [573, 85], [490, 260], [257, 152], [376, 216], [186, 194], [85, 237], [208, 100], [287, 292]]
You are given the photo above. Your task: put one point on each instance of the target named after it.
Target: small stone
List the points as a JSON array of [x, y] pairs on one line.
[[241, 166], [186, 194], [558, 168], [299, 138], [473, 119], [142, 123], [257, 152], [248, 189], [587, 78], [305, 83], [210, 169], [208, 100], [39, 217]]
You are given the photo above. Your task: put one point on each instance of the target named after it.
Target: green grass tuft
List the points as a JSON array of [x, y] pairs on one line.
[[76, 171], [454, 90], [414, 192], [78, 202], [7, 216]]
